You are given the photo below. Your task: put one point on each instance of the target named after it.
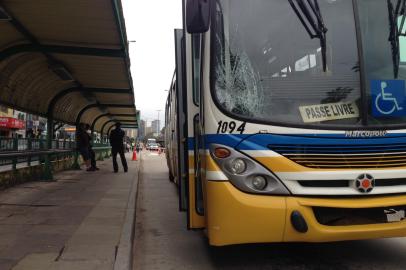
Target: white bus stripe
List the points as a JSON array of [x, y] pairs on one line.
[[216, 176], [260, 153]]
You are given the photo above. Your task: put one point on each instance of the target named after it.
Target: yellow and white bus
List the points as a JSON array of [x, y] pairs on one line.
[[288, 119]]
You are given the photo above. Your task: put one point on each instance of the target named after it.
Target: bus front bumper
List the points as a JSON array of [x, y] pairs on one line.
[[234, 217]]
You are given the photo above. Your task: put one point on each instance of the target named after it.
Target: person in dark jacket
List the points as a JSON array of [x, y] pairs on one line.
[[83, 145], [117, 147]]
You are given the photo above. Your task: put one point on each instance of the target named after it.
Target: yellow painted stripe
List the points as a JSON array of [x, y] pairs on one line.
[[282, 164], [191, 162], [343, 162], [346, 158], [211, 165]]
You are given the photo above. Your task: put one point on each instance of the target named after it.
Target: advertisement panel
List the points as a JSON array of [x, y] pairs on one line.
[[11, 123]]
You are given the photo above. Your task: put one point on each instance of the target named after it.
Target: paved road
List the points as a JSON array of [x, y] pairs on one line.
[[162, 242]]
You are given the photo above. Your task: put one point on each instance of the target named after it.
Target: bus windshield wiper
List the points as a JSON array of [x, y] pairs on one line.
[[395, 31], [310, 16]]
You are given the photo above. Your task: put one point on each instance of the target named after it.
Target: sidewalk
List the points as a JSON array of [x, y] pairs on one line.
[[84, 220]]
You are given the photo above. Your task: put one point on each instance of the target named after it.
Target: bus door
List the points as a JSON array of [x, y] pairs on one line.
[[198, 129], [181, 123], [188, 124], [190, 197], [195, 193]]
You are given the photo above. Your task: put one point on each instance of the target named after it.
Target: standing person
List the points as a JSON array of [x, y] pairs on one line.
[[83, 145], [117, 147], [91, 151]]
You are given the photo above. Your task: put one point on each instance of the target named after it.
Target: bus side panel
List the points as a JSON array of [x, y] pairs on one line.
[[170, 133], [181, 126]]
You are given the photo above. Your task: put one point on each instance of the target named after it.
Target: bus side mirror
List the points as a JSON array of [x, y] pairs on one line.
[[197, 16]]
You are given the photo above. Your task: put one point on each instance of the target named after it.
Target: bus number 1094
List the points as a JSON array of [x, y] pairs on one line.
[[230, 127]]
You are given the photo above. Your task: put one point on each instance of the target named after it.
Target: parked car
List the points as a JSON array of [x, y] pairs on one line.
[[153, 147]]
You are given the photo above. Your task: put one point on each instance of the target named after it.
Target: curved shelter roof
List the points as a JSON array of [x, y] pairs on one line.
[[66, 58]]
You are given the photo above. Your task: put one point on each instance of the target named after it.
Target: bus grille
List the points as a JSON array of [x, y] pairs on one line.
[[344, 156], [346, 183], [358, 216]]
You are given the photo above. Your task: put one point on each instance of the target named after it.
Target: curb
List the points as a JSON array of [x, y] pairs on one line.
[[125, 248]]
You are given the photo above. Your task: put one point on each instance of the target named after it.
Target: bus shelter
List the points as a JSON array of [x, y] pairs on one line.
[[67, 61]]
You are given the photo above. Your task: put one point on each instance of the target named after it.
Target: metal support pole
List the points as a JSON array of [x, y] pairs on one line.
[[101, 155], [29, 147], [75, 165], [50, 131], [15, 148], [47, 174]]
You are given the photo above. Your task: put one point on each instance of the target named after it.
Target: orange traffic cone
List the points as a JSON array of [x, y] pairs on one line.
[[134, 155]]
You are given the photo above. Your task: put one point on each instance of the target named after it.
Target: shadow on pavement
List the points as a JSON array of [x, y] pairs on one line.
[[372, 254]]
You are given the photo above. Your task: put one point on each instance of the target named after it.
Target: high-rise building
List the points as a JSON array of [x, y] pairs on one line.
[[131, 132], [141, 130], [148, 131], [156, 127]]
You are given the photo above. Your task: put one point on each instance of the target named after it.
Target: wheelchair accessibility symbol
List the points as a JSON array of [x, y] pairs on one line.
[[388, 98]]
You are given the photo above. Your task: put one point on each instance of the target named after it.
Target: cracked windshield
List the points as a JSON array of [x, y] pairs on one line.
[[304, 67]]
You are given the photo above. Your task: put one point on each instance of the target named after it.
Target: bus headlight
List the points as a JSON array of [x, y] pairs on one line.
[[238, 166], [259, 182], [247, 174]]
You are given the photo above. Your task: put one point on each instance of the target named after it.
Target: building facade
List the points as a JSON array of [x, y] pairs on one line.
[[131, 132], [12, 123], [156, 127], [141, 130]]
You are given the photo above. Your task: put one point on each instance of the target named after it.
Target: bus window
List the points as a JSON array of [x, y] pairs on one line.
[[197, 60]]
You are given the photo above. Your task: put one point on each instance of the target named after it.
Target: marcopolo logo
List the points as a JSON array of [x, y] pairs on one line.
[[365, 183], [366, 133]]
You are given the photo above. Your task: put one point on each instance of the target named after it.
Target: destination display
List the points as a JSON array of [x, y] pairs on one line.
[[329, 111]]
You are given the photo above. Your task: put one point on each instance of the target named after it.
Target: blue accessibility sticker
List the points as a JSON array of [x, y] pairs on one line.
[[388, 98]]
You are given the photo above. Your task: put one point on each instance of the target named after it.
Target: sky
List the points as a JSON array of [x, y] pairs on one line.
[[150, 24]]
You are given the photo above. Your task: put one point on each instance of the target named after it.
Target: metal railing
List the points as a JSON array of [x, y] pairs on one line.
[[30, 144], [14, 151]]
